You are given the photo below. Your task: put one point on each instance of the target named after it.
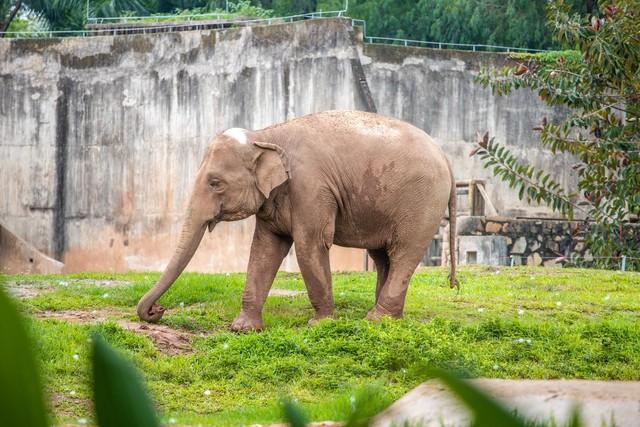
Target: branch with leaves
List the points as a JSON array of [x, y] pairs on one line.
[[533, 185], [599, 85]]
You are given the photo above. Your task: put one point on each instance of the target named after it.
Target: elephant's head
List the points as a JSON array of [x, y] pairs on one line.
[[234, 180]]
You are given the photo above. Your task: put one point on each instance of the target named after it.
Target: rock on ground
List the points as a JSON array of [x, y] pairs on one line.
[[600, 402]]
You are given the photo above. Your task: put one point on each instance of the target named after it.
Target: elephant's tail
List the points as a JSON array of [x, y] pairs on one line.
[[452, 232]]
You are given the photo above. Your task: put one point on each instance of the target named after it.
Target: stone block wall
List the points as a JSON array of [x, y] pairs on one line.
[[530, 242]]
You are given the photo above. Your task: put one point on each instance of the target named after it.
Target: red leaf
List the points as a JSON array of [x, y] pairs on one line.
[[521, 70]]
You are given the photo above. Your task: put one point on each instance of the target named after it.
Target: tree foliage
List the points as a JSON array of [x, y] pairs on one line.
[[600, 83], [68, 14], [517, 23]]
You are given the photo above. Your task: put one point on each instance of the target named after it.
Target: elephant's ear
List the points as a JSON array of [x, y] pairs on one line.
[[272, 167]]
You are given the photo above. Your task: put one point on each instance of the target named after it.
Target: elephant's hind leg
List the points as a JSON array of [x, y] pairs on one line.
[[402, 263], [381, 260]]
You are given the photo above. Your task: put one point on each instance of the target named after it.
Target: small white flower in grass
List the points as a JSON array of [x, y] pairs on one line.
[[82, 421], [342, 294], [559, 303], [72, 393], [607, 297], [105, 295], [76, 357], [528, 340], [62, 283], [352, 401], [496, 367], [480, 310], [228, 274], [225, 346], [520, 340], [520, 312], [172, 421], [181, 304], [207, 392]]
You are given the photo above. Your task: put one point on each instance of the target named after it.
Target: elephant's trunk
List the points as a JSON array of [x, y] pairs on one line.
[[189, 240]]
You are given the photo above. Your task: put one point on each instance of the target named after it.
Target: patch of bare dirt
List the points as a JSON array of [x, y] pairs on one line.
[[103, 283], [61, 404], [82, 316], [26, 289], [285, 293], [168, 340]]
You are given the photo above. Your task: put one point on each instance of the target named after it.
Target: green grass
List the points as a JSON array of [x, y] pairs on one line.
[[505, 323]]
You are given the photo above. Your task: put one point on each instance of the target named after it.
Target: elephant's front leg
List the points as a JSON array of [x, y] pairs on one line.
[[267, 252]]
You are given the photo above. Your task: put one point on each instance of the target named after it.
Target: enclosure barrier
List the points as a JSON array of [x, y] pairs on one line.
[[571, 259], [195, 22]]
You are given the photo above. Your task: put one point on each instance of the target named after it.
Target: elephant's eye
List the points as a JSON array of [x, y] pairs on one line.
[[216, 184]]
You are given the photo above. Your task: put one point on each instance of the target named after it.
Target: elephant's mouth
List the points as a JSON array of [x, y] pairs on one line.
[[211, 224]]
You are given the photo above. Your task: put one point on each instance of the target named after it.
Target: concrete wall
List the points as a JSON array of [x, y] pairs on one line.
[[101, 137]]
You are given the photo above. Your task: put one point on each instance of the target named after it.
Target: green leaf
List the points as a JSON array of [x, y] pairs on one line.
[[363, 408], [293, 413], [21, 402], [119, 395], [486, 411]]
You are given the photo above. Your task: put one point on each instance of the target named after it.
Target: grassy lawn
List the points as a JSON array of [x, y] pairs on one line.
[[505, 323]]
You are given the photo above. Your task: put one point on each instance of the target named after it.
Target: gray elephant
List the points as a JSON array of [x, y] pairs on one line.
[[348, 178]]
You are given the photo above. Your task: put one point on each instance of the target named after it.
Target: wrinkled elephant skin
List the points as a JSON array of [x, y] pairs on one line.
[[348, 178]]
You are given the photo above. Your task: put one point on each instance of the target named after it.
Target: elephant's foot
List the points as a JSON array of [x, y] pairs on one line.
[[378, 312], [154, 314], [318, 317], [246, 322]]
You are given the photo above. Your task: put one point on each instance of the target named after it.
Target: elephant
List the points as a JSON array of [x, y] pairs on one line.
[[349, 178]]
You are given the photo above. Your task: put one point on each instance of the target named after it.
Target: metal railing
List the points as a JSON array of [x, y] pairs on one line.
[[197, 22], [217, 16], [436, 45], [170, 27]]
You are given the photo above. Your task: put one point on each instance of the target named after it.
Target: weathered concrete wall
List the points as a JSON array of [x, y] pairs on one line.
[[435, 90], [101, 137]]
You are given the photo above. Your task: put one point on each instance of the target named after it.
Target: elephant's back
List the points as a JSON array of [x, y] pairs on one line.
[[342, 132], [352, 144], [368, 138]]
